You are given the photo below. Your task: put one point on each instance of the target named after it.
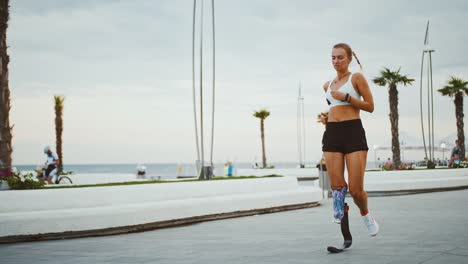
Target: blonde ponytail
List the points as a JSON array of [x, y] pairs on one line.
[[357, 60]]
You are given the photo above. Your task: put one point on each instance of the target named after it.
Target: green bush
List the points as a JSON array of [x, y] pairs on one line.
[[16, 181]]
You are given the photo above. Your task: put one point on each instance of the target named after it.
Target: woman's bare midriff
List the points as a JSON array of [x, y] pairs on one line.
[[342, 113]]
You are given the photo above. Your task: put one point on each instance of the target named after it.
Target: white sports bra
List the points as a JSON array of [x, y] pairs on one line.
[[345, 88]]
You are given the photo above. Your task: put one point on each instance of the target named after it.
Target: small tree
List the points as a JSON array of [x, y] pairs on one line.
[[457, 88], [262, 115], [59, 129]]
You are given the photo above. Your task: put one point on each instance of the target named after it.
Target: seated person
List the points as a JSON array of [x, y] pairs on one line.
[[51, 164]]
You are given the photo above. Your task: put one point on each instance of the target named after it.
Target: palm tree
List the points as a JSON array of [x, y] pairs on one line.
[[5, 128], [456, 88], [392, 79], [59, 129], [262, 114]]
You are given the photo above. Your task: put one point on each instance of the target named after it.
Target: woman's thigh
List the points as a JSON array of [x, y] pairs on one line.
[[335, 168], [356, 166]]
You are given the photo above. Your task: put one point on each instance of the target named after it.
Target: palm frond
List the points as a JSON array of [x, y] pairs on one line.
[[262, 114], [380, 81], [454, 85], [59, 100], [405, 80], [389, 77]]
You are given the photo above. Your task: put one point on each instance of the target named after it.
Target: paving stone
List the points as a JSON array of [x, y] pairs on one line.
[[422, 228]]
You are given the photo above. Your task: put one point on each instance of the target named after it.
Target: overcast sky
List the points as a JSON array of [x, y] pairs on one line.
[[124, 68]]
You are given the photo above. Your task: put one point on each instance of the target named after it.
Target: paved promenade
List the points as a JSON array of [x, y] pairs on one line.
[[423, 228]]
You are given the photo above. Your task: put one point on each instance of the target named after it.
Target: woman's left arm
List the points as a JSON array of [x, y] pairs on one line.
[[367, 102]]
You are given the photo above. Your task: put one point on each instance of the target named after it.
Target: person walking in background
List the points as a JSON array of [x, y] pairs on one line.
[[456, 154], [230, 169], [456, 151], [344, 140]]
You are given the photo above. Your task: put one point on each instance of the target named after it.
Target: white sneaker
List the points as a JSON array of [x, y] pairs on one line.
[[371, 224]]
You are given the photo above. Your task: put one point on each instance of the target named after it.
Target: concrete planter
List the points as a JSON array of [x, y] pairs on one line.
[[120, 209], [4, 186]]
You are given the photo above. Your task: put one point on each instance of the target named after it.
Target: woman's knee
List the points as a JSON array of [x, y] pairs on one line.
[[357, 192], [337, 181]]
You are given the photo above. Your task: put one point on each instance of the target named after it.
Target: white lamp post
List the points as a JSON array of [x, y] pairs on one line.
[[375, 147], [443, 146]]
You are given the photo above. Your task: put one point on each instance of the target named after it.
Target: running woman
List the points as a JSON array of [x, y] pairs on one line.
[[344, 140]]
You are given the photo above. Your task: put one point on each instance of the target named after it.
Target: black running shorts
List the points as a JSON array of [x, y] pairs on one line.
[[345, 137]]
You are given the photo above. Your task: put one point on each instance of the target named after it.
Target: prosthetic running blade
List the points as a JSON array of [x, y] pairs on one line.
[[348, 239]]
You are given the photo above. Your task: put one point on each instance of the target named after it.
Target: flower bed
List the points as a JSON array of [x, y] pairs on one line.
[[17, 181], [456, 163], [388, 166]]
